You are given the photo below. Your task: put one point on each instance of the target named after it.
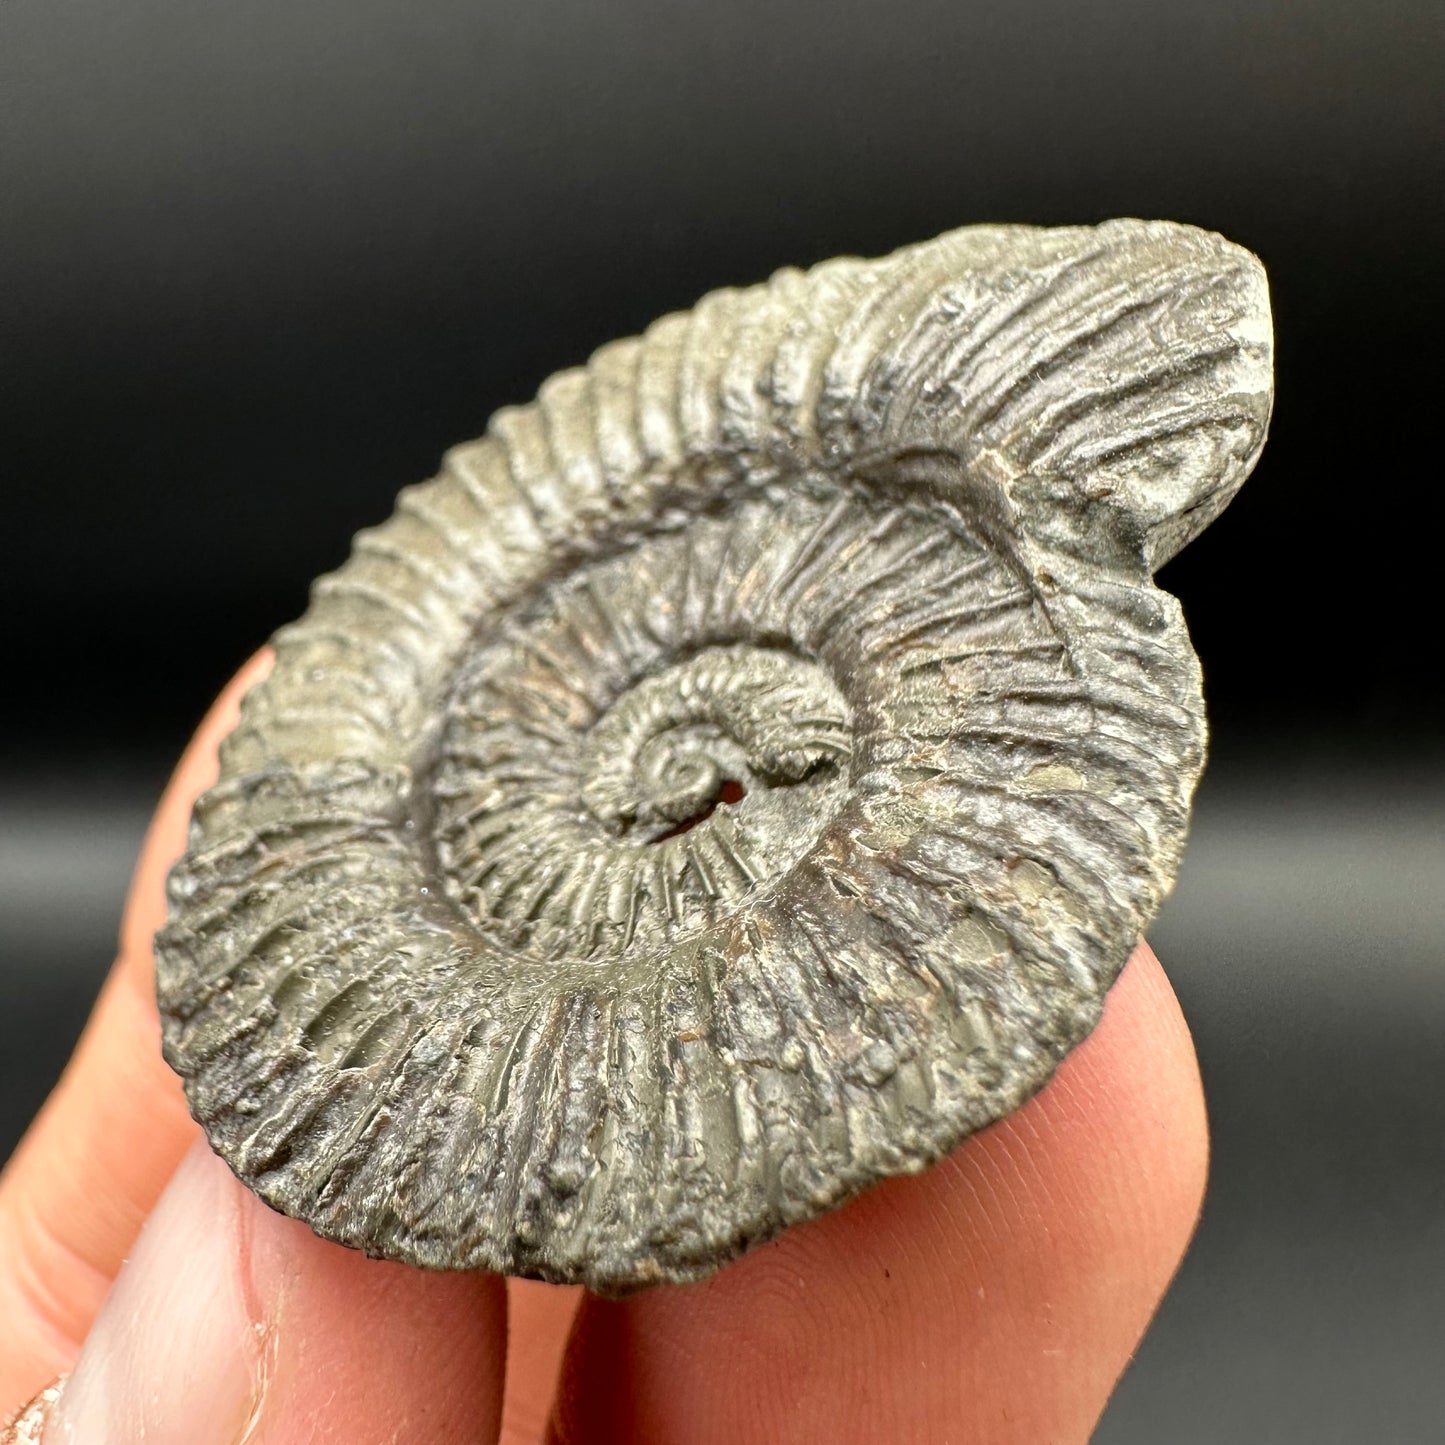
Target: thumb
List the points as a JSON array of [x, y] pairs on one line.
[[232, 1323]]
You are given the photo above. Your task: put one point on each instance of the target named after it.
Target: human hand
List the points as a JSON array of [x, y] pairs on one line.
[[993, 1300]]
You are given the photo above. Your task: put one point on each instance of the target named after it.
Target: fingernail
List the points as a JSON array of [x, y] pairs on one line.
[[27, 1427], [177, 1355]]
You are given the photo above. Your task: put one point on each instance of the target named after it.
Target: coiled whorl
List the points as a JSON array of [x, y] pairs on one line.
[[735, 778]]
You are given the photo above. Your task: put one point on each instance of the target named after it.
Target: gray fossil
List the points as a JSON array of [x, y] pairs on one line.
[[738, 776]]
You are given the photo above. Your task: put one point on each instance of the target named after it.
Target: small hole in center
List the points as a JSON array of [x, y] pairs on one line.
[[729, 791]]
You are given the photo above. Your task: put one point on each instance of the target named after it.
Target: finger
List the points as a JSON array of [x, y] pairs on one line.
[[230, 1322], [539, 1319], [995, 1298], [88, 1172]]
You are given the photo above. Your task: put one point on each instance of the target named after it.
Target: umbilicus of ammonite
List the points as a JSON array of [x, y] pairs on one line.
[[738, 776]]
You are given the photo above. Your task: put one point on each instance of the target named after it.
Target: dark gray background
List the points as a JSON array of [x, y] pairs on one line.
[[260, 263]]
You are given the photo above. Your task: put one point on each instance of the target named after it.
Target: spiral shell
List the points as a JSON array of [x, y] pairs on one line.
[[738, 776]]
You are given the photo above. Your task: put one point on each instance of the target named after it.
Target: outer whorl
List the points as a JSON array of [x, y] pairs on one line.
[[738, 776]]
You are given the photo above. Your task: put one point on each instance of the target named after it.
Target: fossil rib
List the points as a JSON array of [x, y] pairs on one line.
[[738, 776]]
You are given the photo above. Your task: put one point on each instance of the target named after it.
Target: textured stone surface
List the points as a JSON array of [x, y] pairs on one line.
[[738, 776]]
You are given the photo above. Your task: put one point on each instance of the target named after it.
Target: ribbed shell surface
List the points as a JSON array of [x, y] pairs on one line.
[[735, 778]]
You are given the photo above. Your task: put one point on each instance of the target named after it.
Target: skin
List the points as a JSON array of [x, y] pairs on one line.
[[994, 1299]]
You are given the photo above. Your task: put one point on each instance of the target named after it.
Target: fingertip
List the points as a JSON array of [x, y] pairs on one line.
[[1137, 1092], [996, 1296], [404, 1354], [232, 1322]]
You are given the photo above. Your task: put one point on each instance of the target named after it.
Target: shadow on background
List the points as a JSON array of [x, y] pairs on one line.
[[260, 265]]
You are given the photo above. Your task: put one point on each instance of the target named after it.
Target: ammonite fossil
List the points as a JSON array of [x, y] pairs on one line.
[[738, 776]]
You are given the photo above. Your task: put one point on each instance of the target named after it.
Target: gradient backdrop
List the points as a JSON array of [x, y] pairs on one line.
[[260, 263]]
